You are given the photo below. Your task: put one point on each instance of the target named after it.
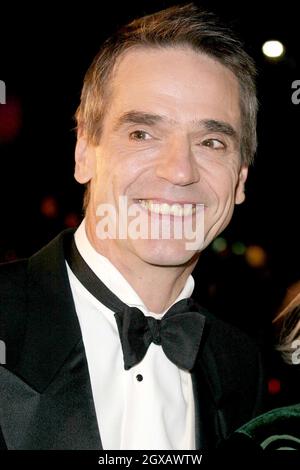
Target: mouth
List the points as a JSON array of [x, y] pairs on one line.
[[177, 209]]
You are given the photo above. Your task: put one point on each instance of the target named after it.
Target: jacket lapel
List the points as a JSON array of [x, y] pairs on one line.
[[205, 396], [227, 383], [212, 396], [51, 378]]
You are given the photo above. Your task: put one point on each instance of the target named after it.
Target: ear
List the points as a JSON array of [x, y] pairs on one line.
[[84, 160], [240, 188]]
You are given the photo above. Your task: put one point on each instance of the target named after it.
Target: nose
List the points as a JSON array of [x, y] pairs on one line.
[[177, 164]]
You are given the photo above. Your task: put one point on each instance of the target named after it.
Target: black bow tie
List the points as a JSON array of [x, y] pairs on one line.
[[178, 332]]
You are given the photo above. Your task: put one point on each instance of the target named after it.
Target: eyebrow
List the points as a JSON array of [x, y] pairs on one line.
[[138, 117], [222, 127], [149, 119]]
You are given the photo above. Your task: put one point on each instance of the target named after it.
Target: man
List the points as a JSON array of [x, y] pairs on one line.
[[166, 126]]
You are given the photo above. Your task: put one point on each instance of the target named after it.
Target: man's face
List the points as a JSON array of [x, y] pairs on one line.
[[171, 135]]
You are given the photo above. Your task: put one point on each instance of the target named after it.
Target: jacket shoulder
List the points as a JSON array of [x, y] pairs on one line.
[[239, 362], [30, 290], [227, 337]]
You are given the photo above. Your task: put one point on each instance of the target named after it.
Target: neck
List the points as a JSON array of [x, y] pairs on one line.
[[157, 286]]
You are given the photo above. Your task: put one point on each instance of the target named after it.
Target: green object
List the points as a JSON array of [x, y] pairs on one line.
[[278, 429]]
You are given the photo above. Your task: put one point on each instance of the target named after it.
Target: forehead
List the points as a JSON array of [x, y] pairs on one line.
[[177, 82]]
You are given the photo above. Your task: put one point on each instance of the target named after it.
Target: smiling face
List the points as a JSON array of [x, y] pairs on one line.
[[170, 142]]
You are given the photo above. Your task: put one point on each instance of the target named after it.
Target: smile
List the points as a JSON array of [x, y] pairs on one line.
[[176, 209]]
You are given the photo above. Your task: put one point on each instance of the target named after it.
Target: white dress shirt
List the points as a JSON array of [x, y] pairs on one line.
[[151, 405]]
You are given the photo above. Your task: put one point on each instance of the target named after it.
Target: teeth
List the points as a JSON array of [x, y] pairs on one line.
[[167, 209]]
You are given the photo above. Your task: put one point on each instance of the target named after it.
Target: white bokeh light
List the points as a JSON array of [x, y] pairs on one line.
[[273, 49]]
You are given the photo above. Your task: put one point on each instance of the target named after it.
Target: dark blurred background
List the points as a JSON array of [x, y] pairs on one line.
[[246, 274]]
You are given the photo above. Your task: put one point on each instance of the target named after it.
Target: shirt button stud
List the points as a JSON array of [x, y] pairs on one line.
[[139, 377]]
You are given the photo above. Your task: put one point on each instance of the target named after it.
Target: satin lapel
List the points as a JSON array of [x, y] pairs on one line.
[[52, 373], [212, 395], [60, 417], [206, 412]]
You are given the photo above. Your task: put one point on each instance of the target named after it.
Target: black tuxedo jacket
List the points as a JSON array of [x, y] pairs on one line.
[[45, 391]]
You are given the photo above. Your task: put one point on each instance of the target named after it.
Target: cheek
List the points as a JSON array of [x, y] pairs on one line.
[[225, 184], [118, 177], [131, 172]]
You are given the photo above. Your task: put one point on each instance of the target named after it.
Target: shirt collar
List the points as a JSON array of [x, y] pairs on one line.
[[112, 277]]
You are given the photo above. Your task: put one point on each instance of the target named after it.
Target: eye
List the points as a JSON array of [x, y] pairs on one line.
[[139, 135], [214, 144]]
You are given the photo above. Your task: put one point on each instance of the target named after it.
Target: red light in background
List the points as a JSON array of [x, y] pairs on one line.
[[49, 207], [72, 220], [10, 119], [274, 386]]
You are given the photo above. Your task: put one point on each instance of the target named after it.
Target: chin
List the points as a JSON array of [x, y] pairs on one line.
[[163, 252]]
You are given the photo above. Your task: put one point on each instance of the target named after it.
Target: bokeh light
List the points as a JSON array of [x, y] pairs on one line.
[[71, 220], [49, 207], [274, 386], [238, 248], [273, 49], [219, 245], [10, 120], [256, 256]]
